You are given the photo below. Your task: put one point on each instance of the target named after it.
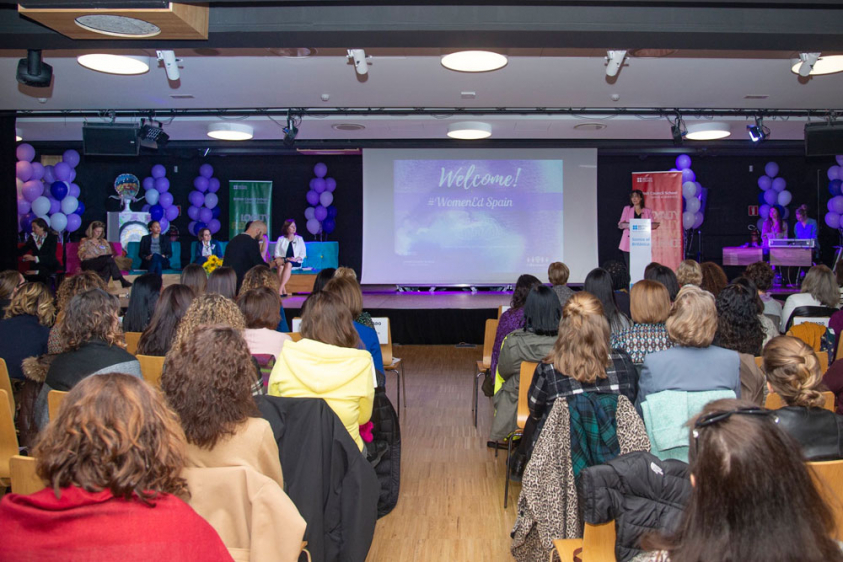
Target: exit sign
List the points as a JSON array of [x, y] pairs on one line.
[[752, 210]]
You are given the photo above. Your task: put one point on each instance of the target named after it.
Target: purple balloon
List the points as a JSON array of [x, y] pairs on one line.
[[55, 206], [148, 183], [32, 190], [24, 206], [688, 175], [311, 183], [191, 228], [71, 157], [216, 211], [205, 215], [72, 175], [37, 171], [214, 226], [328, 225], [145, 208], [81, 209], [211, 200], [62, 171], [156, 212], [313, 226], [193, 212], [165, 225], [166, 200], [332, 212], [330, 184], [765, 182], [26, 222], [213, 185], [321, 213], [74, 221], [59, 190], [196, 198], [49, 174], [74, 190], [171, 213], [198, 226], [23, 171], [206, 171], [683, 161], [159, 171], [319, 185], [320, 170], [162, 185], [313, 199], [25, 152], [201, 183]]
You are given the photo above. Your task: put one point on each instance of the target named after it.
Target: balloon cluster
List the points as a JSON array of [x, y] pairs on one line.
[[48, 192], [321, 215], [693, 194], [159, 200], [834, 216], [774, 193], [204, 211]]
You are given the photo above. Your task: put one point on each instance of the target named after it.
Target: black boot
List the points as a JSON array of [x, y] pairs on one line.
[[124, 283]]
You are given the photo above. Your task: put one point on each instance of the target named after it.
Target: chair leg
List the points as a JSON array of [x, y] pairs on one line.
[[508, 460], [404, 384], [398, 393]]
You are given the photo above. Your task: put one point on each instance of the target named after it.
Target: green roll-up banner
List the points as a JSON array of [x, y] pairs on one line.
[[248, 201]]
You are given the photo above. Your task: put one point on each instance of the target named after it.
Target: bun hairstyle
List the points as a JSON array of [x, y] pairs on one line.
[[793, 371], [582, 349]]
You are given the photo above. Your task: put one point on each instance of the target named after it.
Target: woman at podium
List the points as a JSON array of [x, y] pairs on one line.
[[806, 228], [636, 210], [773, 228]]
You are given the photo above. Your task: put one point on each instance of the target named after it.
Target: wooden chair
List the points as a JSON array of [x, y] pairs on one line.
[[503, 308], [828, 478], [23, 476], [8, 441], [132, 339], [295, 336], [390, 362], [528, 369], [774, 401], [6, 384], [596, 545], [485, 364], [54, 400], [151, 368]]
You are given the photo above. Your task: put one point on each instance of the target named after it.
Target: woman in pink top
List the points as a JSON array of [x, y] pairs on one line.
[[261, 308], [636, 210]]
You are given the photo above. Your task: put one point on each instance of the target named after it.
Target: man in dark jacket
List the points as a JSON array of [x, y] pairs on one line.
[[243, 252]]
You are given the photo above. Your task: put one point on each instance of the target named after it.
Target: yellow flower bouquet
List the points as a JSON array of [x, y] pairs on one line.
[[211, 264]]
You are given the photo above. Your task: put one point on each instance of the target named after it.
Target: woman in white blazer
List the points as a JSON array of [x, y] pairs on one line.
[[290, 252]]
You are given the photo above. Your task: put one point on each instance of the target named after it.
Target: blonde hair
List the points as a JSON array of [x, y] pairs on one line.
[[689, 272], [793, 371], [557, 273], [72, 286], [345, 272], [89, 232], [693, 319], [212, 309], [581, 350], [260, 276], [649, 302], [33, 299], [9, 281], [821, 284], [349, 293]]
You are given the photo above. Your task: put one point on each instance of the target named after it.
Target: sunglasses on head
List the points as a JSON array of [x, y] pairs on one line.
[[717, 417]]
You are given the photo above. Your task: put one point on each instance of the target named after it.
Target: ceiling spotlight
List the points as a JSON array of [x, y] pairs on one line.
[[360, 60], [678, 130], [33, 71], [115, 64], [291, 130], [469, 130], [707, 131], [614, 61], [474, 61], [152, 136], [230, 131], [758, 132], [18, 135], [830, 64], [171, 64], [806, 63]]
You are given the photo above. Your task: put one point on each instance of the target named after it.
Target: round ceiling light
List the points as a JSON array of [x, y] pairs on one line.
[[707, 131], [118, 26], [824, 65], [115, 64], [474, 61], [18, 135], [230, 131], [469, 130]]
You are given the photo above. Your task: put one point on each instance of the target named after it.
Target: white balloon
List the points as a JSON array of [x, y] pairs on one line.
[[211, 200], [69, 204], [152, 196], [692, 205], [326, 198], [689, 189], [310, 213], [784, 198], [688, 220], [41, 207], [58, 221], [698, 220]]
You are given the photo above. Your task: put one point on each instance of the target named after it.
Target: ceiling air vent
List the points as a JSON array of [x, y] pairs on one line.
[[347, 127], [590, 126]]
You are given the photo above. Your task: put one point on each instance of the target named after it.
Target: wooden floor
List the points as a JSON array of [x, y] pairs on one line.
[[451, 501]]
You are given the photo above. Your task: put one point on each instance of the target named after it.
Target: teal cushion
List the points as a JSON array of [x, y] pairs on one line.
[[320, 255], [133, 251], [189, 259]]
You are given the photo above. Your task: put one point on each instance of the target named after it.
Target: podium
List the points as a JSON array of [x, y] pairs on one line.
[[640, 248]]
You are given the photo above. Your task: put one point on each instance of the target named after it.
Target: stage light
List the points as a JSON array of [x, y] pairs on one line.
[[474, 61], [678, 130], [469, 130], [171, 64], [707, 131], [33, 71], [360, 60], [818, 66], [230, 131], [18, 135], [291, 130], [115, 64], [758, 132], [152, 137], [614, 61]]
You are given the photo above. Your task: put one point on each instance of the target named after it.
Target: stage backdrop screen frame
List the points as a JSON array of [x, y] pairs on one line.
[[450, 217]]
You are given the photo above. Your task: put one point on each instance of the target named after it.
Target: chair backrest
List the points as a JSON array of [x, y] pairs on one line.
[[295, 336], [828, 478], [503, 308], [8, 439], [6, 384], [598, 542], [296, 325], [132, 339], [528, 369], [151, 368], [54, 400], [818, 314], [774, 401], [489, 341], [23, 476], [384, 332]]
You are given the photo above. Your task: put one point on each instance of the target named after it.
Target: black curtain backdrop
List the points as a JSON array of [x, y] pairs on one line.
[[8, 192]]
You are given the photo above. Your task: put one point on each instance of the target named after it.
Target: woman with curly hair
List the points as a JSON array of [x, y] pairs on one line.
[[25, 330], [10, 280], [145, 292], [223, 280], [194, 276], [261, 276], [212, 309], [762, 275], [511, 320], [689, 272], [713, 278], [94, 345], [169, 310], [818, 289], [738, 326], [70, 287], [111, 461], [768, 327]]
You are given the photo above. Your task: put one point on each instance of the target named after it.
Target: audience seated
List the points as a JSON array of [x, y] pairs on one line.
[[753, 497], [793, 372], [171, 307], [689, 272], [713, 278], [212, 309], [819, 288], [666, 277], [111, 462], [363, 317], [69, 288], [326, 363], [557, 274], [620, 283], [194, 276], [223, 281], [533, 343], [10, 280], [260, 310], [769, 328], [349, 293], [25, 329], [322, 278], [739, 329], [512, 319], [650, 306], [693, 364], [598, 282], [94, 345], [262, 276], [97, 255], [762, 275], [145, 292]]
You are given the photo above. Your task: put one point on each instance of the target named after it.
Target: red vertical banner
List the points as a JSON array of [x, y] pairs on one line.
[[663, 196]]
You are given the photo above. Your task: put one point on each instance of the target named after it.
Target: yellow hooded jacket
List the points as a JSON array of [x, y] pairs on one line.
[[343, 377]]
